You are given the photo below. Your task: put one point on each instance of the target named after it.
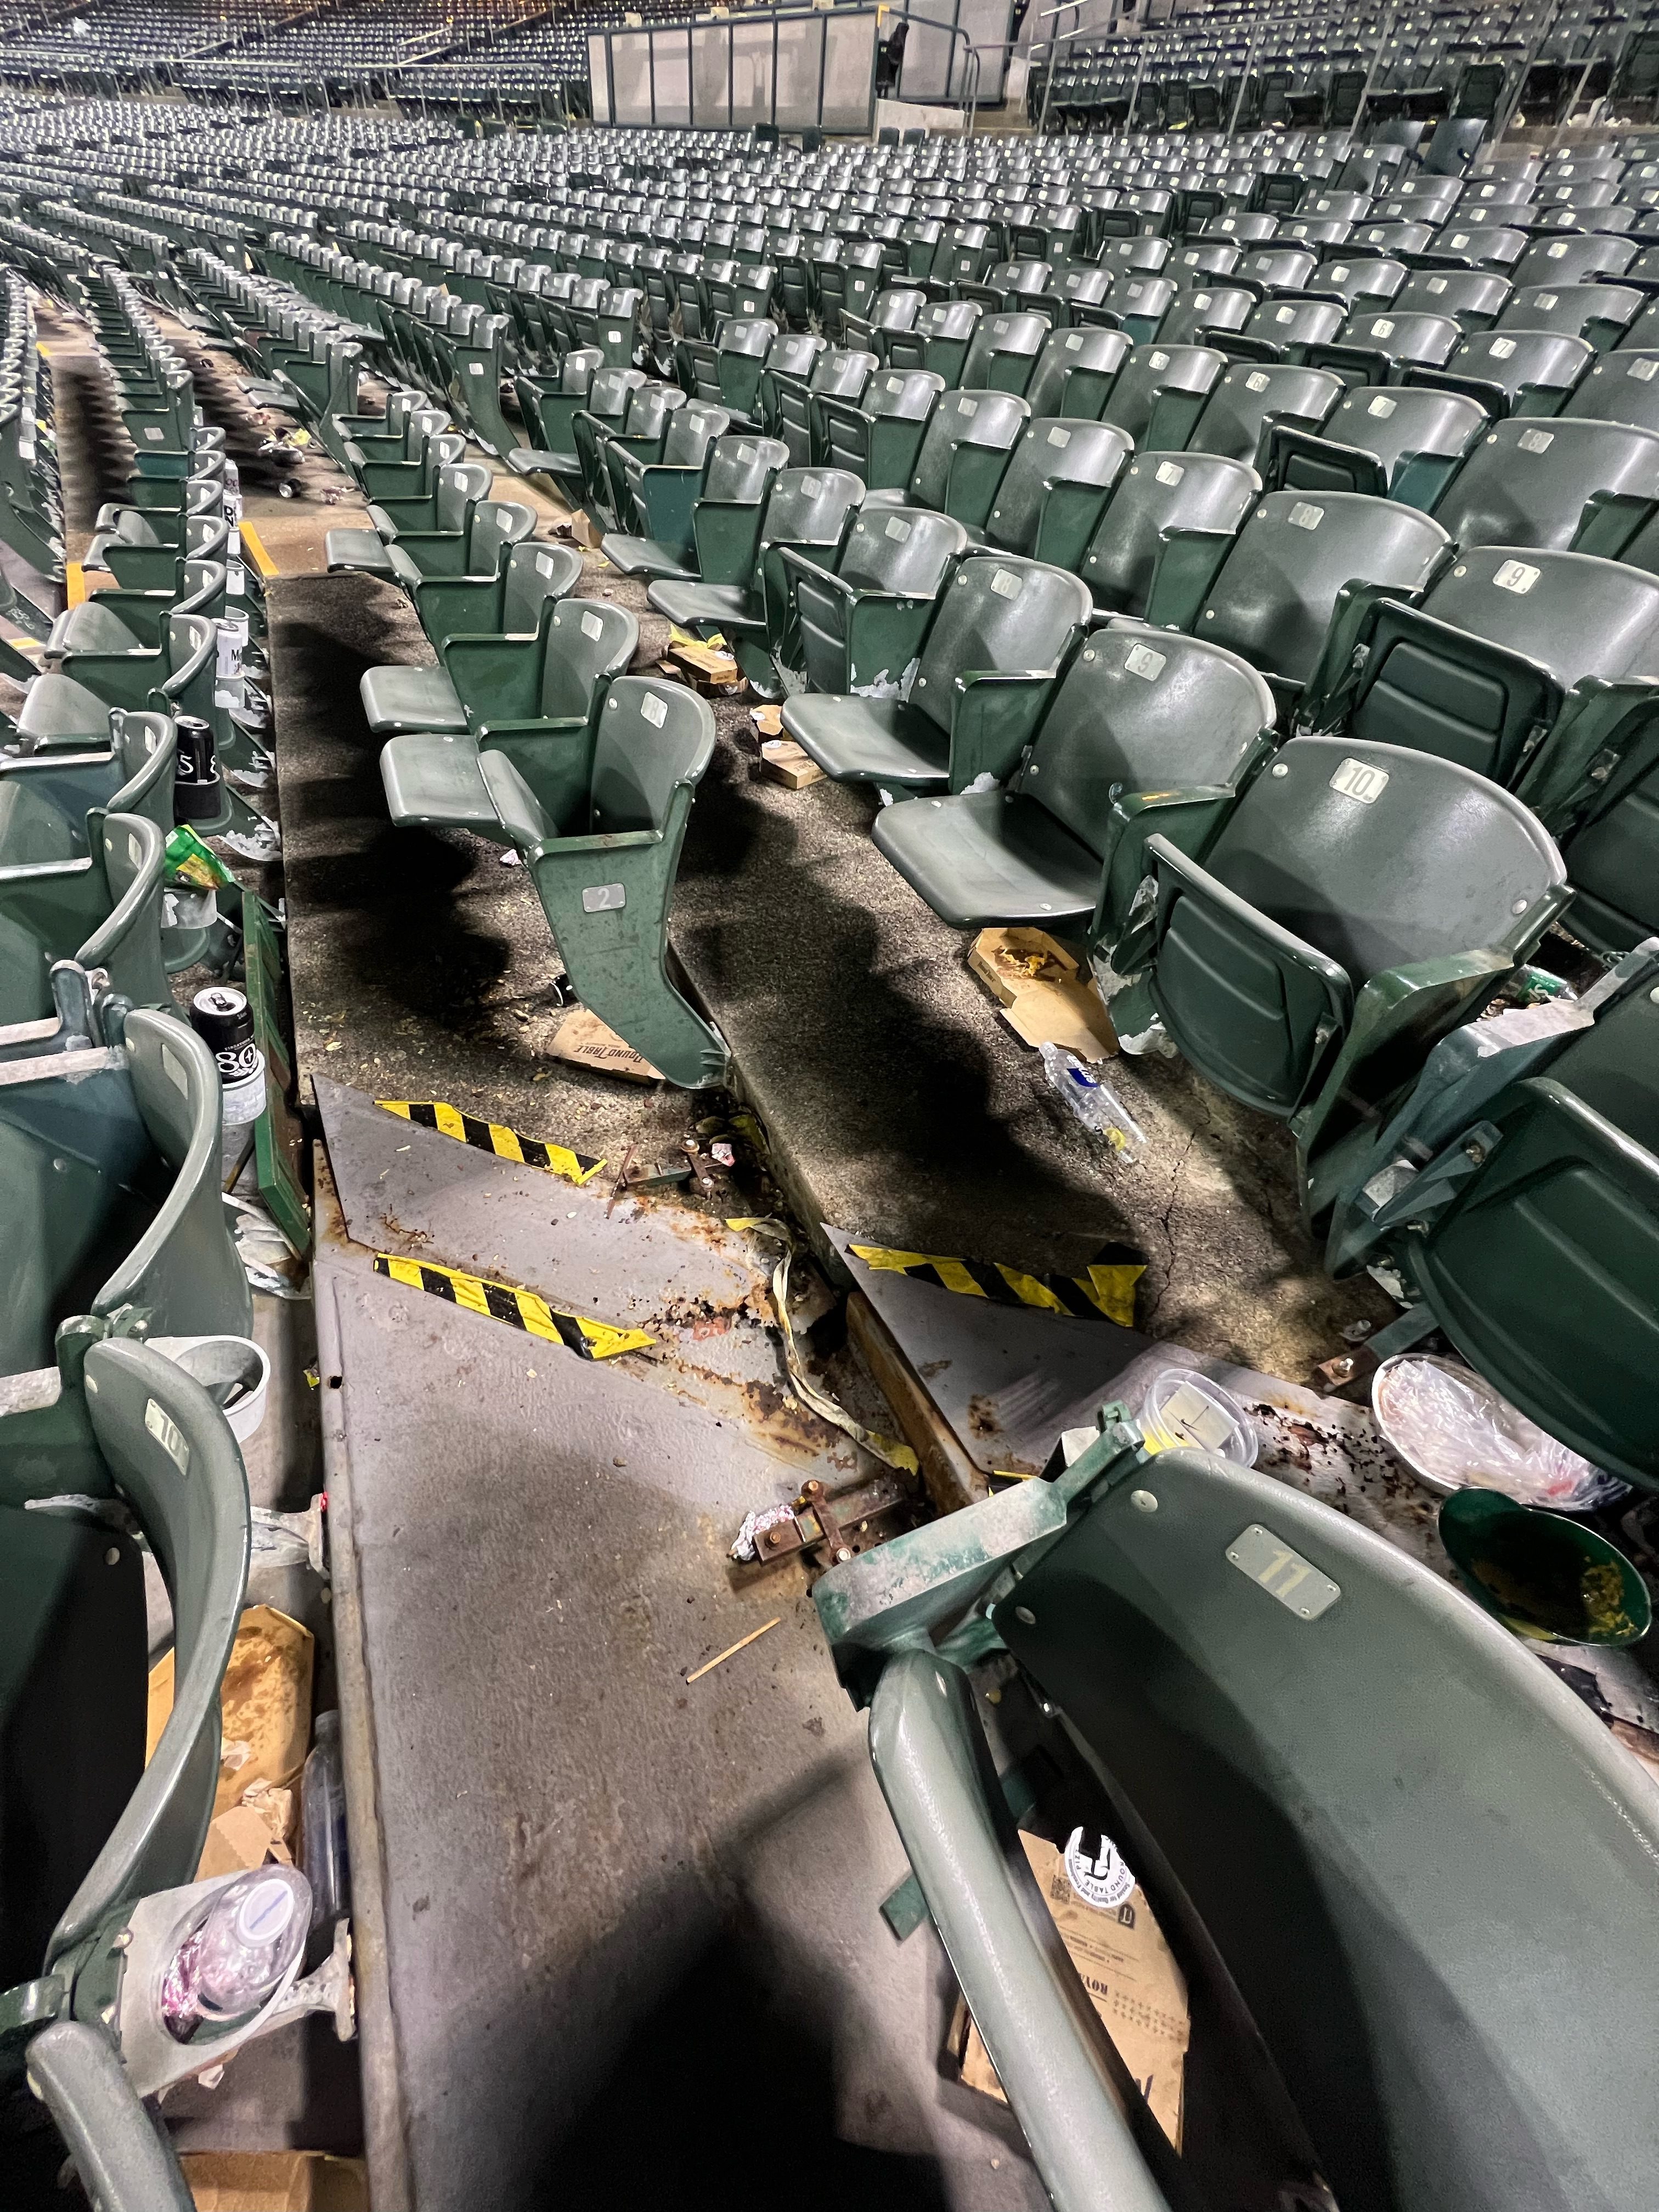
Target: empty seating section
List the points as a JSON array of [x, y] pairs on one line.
[[1222, 537]]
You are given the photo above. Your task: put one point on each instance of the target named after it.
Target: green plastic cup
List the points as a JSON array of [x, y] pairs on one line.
[[1546, 1576]]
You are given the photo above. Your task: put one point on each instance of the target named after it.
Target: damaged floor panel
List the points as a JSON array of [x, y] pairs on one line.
[[615, 1922]]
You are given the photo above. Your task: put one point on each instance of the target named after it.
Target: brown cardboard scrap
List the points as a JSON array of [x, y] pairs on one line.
[[238, 1840], [768, 721], [1133, 1984], [264, 1704], [275, 2181], [581, 1037], [710, 658], [1045, 1000], [782, 761]]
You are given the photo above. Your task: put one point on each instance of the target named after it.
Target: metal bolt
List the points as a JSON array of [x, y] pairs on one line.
[[1520, 906], [112, 1556], [1023, 1612], [1143, 1501], [845, 1553], [1280, 768]]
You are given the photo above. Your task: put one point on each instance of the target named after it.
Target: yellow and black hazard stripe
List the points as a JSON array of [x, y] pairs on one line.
[[492, 1137], [588, 1338], [1105, 1290]]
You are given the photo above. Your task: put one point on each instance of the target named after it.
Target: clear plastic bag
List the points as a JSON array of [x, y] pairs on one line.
[[1452, 1428]]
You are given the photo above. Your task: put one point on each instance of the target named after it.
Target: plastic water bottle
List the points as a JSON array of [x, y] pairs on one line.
[[235, 1957], [323, 1827], [1095, 1104]]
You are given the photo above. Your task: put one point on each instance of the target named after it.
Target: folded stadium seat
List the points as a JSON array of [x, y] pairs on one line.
[[1160, 392], [1072, 289], [1278, 268], [1599, 313], [1213, 307], [1273, 327], [726, 372], [446, 511], [102, 910], [1001, 632], [100, 658], [1004, 353], [788, 404], [1405, 443], [1358, 903], [477, 554], [735, 475], [1051, 498], [1643, 331], [1269, 593], [1159, 496], [1075, 372], [793, 356], [1205, 262], [1482, 667], [157, 523], [1465, 244], [510, 607], [1138, 304], [879, 439], [548, 405], [1247, 400], [651, 406], [140, 563], [1008, 287], [739, 564], [603, 848], [1240, 228], [1373, 348], [533, 698], [857, 627], [1620, 387], [892, 312], [1137, 712], [962, 456], [1188, 1666], [1605, 813], [1539, 484], [1474, 297], [109, 1190], [1513, 372], [848, 285], [937, 338], [1577, 258], [47, 797], [1373, 283], [1139, 256], [1550, 1178]]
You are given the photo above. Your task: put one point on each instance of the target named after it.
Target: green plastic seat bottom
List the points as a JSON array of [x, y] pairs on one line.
[[717, 606], [987, 857], [399, 699], [644, 556], [357, 549], [881, 741], [535, 461], [433, 781]]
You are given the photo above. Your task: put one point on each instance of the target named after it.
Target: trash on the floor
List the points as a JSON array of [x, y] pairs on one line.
[[290, 1540], [710, 659], [1546, 1577], [221, 1016], [264, 1704], [721, 1152], [239, 1840], [782, 761], [1105, 1290], [816, 1400], [1133, 1984], [233, 1371], [275, 2181], [579, 1333], [262, 844], [323, 1854], [1096, 1105], [1182, 1407], [1455, 1431], [1043, 996], [493, 1136], [768, 721], [832, 1526], [269, 1261], [190, 861], [731, 1651], [582, 1037]]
